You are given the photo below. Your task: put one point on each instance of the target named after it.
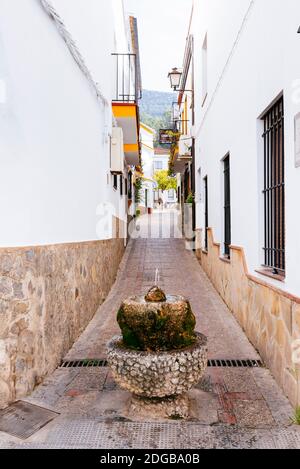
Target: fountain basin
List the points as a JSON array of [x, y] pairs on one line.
[[158, 374], [157, 322]]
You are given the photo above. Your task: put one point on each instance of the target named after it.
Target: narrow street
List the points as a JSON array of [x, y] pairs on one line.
[[232, 407], [150, 176]]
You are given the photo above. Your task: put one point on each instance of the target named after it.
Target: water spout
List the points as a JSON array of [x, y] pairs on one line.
[[157, 278]]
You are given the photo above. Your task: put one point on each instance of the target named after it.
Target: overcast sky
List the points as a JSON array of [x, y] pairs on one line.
[[163, 27]]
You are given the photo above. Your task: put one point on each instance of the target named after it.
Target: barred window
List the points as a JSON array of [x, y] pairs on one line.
[[130, 186], [115, 181], [206, 213], [227, 207], [121, 185], [274, 188]]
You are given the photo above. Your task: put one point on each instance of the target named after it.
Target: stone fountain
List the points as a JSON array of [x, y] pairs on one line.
[[159, 356]]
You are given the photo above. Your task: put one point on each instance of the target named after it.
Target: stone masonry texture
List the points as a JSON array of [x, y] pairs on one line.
[[157, 374], [48, 295], [269, 317]]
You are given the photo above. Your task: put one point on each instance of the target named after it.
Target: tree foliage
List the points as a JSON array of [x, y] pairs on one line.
[[155, 103], [156, 111], [157, 123], [138, 190], [164, 181]]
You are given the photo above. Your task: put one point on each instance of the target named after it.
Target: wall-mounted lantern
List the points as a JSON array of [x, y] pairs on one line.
[[175, 78]]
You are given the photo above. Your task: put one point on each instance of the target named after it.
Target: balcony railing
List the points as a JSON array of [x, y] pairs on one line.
[[127, 87]]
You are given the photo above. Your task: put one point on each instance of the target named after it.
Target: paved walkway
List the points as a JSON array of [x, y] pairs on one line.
[[231, 407]]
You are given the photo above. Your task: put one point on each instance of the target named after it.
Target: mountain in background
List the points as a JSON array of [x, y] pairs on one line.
[[156, 110], [156, 103]]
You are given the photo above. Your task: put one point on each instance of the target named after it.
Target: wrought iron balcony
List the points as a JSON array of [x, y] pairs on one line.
[[127, 87]]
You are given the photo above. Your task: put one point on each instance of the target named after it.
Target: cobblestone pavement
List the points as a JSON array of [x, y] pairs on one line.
[[230, 408]]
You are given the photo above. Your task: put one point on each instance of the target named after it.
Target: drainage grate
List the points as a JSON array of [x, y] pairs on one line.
[[84, 363], [213, 363], [235, 363], [23, 419]]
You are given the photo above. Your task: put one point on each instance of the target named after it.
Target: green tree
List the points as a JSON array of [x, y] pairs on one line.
[[157, 123], [164, 181]]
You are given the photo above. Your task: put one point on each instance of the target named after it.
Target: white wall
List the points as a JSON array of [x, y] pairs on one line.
[[121, 30], [169, 197], [147, 140], [164, 160], [251, 59], [54, 146]]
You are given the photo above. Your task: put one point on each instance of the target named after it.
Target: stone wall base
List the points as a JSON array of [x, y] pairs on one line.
[[269, 316], [48, 295]]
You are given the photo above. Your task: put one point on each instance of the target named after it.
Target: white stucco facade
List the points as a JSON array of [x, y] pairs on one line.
[[161, 163], [147, 141], [54, 131], [251, 61]]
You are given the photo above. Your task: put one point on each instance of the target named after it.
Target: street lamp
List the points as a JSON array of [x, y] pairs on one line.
[[175, 78]]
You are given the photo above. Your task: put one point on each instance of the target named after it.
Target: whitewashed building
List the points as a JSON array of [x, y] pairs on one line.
[[161, 163], [147, 141], [242, 111], [69, 142], [161, 160]]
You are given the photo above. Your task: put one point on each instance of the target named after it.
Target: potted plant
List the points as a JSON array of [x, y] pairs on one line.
[[190, 198], [188, 216]]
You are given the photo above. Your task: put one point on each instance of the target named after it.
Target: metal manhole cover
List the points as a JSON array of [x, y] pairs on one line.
[[23, 419]]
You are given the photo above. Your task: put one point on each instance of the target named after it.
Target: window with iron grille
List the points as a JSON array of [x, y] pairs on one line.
[[158, 165], [187, 186], [227, 207], [274, 188], [130, 186], [206, 213], [115, 181], [121, 185]]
